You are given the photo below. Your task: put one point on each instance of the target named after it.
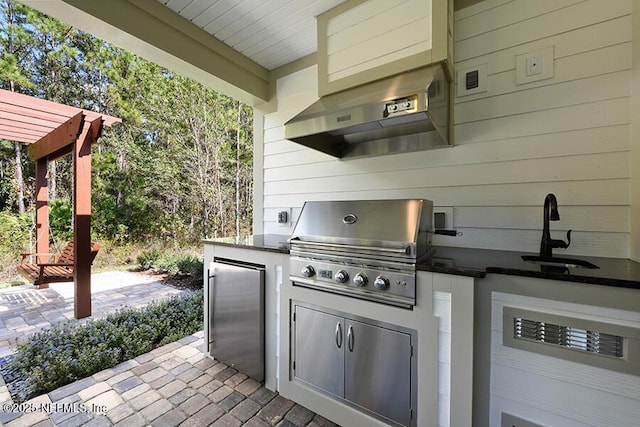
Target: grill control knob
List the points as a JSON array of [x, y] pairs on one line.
[[381, 283], [308, 271], [341, 276], [360, 280]]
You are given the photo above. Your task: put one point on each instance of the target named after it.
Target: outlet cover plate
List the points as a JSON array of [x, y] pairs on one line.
[[448, 216], [534, 66], [287, 211]]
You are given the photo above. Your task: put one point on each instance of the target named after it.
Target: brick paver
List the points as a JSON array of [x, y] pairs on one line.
[[246, 409], [206, 415], [248, 386], [174, 417], [220, 393], [263, 395], [194, 403], [299, 416], [229, 402], [127, 384], [156, 409], [172, 388], [182, 396], [275, 410], [94, 390], [120, 412], [256, 422]]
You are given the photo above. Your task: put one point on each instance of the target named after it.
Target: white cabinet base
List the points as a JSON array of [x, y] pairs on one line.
[[443, 319], [560, 390]]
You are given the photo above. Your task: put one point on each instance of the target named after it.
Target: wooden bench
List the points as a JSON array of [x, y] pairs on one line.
[[50, 268]]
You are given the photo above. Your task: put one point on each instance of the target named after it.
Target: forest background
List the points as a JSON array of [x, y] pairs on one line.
[[177, 169]]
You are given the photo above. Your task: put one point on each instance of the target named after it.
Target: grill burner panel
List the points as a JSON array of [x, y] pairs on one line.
[[363, 249], [323, 275]]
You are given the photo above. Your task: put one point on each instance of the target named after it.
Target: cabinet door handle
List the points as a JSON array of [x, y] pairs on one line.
[[211, 278], [350, 339], [339, 335]]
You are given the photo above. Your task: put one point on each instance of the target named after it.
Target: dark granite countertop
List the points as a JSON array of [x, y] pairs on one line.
[[260, 242], [478, 262]]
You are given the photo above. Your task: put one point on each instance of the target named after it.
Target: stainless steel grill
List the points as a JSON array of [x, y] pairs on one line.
[[366, 249]]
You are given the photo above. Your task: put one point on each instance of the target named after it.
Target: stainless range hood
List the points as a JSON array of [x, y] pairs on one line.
[[404, 113]]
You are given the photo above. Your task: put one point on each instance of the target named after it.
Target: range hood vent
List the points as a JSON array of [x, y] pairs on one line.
[[404, 113]]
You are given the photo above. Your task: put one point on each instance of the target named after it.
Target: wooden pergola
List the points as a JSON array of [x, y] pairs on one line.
[[51, 131]]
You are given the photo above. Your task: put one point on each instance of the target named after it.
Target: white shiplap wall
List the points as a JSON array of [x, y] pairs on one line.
[[634, 159], [513, 144], [351, 49]]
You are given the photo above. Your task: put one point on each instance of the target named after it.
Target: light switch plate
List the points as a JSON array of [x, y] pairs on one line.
[[469, 74]]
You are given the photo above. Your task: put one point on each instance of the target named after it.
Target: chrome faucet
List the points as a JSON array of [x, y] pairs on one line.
[[551, 214]]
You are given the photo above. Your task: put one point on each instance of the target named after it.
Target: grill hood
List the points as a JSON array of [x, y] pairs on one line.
[[397, 227], [404, 113]]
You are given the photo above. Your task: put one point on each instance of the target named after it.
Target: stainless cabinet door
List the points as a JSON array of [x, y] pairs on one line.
[[378, 370], [318, 354], [236, 318]]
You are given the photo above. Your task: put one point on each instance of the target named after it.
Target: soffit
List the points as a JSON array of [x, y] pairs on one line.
[[270, 32]]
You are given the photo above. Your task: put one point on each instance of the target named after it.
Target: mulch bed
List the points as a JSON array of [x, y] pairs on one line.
[[177, 280]]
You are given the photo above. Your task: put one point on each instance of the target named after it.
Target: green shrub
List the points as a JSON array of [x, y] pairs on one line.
[[14, 240], [60, 213], [70, 351], [14, 232], [148, 259], [191, 265], [169, 261]]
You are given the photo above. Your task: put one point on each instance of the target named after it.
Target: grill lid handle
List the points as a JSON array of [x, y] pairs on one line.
[[405, 250]]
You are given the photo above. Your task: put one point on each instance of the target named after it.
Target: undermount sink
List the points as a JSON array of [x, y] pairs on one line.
[[558, 262]]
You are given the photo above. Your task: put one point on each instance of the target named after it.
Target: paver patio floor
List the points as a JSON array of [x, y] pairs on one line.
[[170, 386], [174, 385]]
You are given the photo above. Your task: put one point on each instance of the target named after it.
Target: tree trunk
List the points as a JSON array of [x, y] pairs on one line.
[[19, 178], [218, 183], [53, 180], [205, 219]]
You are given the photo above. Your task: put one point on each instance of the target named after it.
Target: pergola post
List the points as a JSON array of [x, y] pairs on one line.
[[82, 217], [42, 208]]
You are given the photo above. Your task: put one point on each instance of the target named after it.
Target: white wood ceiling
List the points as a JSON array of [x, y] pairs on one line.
[[270, 32]]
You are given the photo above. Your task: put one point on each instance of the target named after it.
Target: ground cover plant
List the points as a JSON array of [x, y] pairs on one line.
[[77, 349]]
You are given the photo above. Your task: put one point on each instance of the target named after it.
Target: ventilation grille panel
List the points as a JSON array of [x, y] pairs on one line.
[[568, 337]]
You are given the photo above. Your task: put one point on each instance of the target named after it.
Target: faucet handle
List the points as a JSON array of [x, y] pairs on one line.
[[568, 238]]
